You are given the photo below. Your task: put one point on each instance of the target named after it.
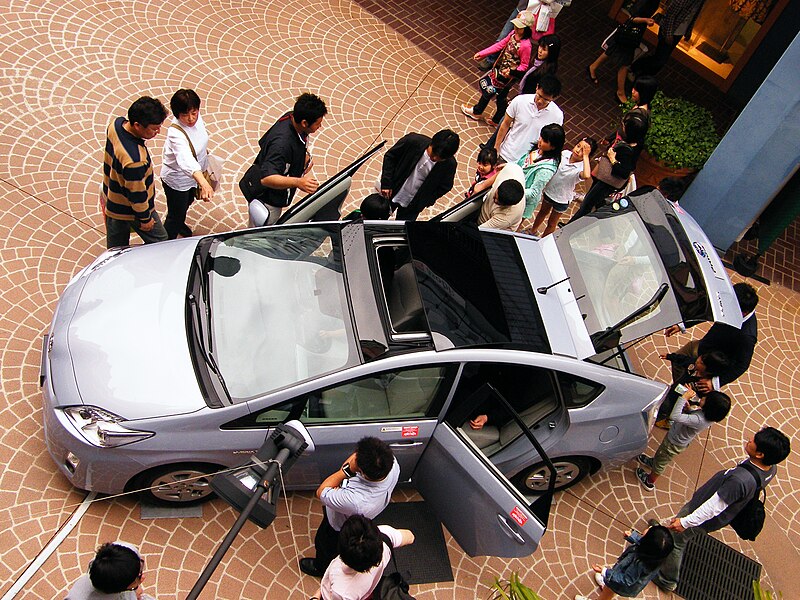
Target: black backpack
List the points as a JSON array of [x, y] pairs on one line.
[[749, 521]]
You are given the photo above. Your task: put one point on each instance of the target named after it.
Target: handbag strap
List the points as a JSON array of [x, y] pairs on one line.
[[388, 542], [188, 139]]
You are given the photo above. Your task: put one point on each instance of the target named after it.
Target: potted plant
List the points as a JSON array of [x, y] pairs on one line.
[[680, 139], [512, 589]]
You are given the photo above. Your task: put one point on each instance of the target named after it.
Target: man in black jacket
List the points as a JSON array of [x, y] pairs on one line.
[[737, 344], [417, 171]]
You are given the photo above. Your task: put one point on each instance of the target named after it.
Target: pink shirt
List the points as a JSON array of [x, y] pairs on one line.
[[525, 50]]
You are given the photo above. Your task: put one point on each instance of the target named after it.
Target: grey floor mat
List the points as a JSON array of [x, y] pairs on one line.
[[712, 570]]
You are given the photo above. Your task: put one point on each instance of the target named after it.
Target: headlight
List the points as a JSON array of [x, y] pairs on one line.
[[102, 428]]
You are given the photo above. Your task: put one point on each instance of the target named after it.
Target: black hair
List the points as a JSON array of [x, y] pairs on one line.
[[509, 193], [550, 85], [526, 33], [360, 544], [114, 568], [554, 135], [592, 145], [375, 207], [183, 101], [672, 188], [716, 406], [716, 362], [646, 86], [747, 297], [773, 444], [147, 111], [655, 546], [309, 108], [444, 143], [488, 156], [634, 128], [553, 43], [374, 458]]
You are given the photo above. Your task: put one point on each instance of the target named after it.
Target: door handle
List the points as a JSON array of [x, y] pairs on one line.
[[405, 444], [509, 531]]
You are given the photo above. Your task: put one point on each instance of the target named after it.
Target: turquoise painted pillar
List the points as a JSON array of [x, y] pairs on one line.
[[757, 156]]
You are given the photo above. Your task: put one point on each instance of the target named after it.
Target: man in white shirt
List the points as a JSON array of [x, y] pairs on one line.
[[525, 117], [717, 502]]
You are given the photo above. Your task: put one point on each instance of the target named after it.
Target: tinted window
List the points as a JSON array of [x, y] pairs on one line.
[[395, 395], [577, 392]]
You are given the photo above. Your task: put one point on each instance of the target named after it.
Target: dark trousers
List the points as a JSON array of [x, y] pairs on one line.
[[653, 63], [501, 98], [326, 543], [594, 198], [405, 213], [118, 232], [178, 204]]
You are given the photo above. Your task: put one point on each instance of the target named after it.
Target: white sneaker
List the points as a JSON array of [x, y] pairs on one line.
[[598, 577], [467, 110], [579, 597]]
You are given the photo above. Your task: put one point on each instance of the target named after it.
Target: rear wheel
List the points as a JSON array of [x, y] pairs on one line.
[[569, 471], [176, 485]]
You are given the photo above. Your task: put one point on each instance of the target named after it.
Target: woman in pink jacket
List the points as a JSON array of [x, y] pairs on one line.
[[512, 63]]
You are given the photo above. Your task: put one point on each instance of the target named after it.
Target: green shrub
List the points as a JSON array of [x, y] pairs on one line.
[[681, 134]]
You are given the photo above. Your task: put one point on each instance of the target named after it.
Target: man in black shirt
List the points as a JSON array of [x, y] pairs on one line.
[[284, 161]]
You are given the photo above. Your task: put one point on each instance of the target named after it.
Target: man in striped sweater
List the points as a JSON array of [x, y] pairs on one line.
[[128, 195]]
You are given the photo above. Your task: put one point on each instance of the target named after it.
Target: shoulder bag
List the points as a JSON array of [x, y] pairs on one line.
[[749, 521], [208, 175], [392, 586]]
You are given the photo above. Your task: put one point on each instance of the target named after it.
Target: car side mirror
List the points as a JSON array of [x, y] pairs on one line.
[[302, 432]]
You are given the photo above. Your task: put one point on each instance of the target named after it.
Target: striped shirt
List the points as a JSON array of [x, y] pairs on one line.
[[128, 184]]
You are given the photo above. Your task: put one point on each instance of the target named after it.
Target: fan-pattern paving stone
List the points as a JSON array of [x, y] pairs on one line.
[[67, 68]]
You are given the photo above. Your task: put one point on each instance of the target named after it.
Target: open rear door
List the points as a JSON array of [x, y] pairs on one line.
[[482, 509]]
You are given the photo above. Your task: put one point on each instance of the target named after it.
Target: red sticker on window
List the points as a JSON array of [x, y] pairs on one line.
[[410, 431], [519, 516]]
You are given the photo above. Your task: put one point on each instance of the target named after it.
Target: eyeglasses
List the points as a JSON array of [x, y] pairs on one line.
[[542, 99]]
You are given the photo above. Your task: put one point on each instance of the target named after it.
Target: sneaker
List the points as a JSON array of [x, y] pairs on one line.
[[645, 460], [643, 479], [598, 578], [579, 597], [467, 110], [663, 424]]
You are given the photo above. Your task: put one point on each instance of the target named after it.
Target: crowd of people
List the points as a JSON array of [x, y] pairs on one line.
[[527, 171]]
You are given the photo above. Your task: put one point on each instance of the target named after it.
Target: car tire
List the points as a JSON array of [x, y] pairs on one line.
[[570, 470], [175, 485]]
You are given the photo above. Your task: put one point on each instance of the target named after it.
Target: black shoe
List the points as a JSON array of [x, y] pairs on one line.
[[309, 567], [645, 460], [186, 231]]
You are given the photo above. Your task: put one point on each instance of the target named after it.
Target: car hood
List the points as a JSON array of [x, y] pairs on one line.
[[136, 365]]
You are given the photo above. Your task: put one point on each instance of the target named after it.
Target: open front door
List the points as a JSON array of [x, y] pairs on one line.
[[482, 510]]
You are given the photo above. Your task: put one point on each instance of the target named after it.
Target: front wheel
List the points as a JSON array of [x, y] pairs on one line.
[[535, 479], [176, 485]]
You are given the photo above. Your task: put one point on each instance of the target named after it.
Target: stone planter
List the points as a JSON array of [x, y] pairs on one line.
[[650, 171]]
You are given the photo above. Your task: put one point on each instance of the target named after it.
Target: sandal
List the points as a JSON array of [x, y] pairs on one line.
[[592, 78]]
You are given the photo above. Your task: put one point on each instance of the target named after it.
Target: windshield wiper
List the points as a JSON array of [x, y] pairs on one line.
[[609, 338], [205, 349]]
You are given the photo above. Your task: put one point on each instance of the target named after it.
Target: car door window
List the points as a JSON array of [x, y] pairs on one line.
[[529, 390], [388, 396], [577, 392]]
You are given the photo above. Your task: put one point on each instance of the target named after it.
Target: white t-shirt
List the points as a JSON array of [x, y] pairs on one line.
[[528, 122], [340, 582], [178, 163], [561, 187]]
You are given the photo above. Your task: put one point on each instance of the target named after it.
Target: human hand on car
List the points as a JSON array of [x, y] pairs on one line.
[[478, 422], [308, 184]]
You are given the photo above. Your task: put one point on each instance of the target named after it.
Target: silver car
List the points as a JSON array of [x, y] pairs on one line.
[[166, 363]]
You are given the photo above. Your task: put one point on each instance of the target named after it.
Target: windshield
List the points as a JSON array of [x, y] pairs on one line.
[[616, 269], [279, 312]]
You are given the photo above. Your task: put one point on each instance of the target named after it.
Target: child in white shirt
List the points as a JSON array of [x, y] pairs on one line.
[[560, 190]]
